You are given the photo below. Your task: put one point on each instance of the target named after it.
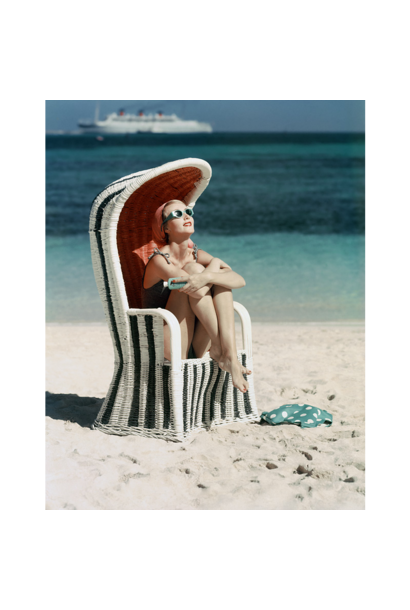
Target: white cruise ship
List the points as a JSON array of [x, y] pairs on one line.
[[142, 123]]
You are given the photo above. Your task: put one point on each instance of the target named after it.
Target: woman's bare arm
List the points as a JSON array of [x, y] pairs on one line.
[[159, 269], [221, 274], [216, 272], [226, 278]]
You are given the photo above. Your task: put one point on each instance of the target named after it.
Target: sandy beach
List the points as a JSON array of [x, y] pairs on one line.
[[239, 466]]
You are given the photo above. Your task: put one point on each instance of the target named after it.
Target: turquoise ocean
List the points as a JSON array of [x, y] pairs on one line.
[[286, 211]]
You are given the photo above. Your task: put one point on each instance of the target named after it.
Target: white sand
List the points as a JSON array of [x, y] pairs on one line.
[[321, 365]]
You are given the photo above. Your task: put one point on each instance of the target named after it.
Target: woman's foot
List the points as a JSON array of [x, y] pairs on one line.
[[234, 367], [216, 354]]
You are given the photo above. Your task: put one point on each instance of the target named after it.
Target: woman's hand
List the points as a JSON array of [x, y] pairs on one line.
[[195, 282]]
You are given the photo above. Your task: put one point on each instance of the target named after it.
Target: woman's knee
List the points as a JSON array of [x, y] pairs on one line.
[[193, 268]]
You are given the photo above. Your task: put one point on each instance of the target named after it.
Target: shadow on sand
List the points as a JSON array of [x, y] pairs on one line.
[[80, 410]]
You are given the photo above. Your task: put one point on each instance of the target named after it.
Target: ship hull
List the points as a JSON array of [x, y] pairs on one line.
[[129, 127]]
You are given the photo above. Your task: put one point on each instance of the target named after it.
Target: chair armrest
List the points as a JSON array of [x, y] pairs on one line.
[[174, 328], [246, 327]]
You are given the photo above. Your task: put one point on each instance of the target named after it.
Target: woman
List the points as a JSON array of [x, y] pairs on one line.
[[204, 306]]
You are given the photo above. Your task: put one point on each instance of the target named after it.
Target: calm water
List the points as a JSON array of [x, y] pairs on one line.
[[286, 211]]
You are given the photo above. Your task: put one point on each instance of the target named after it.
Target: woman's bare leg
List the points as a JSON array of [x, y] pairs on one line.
[[178, 304], [228, 359], [206, 332], [226, 344], [216, 314], [206, 328]]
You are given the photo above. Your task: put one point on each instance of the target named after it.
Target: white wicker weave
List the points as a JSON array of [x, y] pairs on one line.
[[148, 395]]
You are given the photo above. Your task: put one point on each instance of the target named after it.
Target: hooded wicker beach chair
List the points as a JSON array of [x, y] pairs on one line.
[[148, 395]]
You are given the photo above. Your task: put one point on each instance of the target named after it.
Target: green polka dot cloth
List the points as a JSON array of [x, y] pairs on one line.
[[304, 416]]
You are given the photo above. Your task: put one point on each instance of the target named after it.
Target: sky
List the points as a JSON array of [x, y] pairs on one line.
[[224, 115]]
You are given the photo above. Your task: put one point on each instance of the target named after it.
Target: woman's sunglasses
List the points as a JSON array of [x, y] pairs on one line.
[[178, 214]]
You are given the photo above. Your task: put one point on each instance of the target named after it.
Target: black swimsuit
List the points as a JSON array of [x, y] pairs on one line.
[[158, 295]]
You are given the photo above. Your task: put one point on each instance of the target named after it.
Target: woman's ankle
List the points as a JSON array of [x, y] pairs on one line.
[[228, 355], [215, 351]]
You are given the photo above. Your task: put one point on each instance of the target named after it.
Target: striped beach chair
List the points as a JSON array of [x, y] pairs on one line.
[[148, 395]]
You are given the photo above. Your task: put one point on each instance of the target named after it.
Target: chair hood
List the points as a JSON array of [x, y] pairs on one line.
[[122, 214]]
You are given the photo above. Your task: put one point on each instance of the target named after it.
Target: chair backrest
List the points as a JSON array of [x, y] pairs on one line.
[[120, 227], [134, 238]]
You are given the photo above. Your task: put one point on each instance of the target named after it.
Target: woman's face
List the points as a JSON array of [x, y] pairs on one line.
[[178, 227]]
